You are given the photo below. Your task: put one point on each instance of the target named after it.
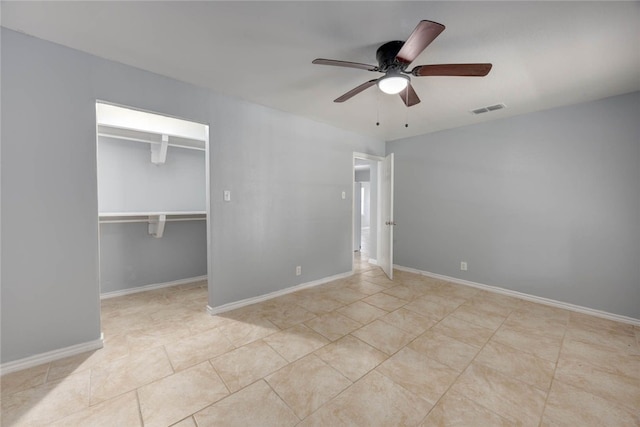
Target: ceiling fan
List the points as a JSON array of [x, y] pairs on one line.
[[393, 59]]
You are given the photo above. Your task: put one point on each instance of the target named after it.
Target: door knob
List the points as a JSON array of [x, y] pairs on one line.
[[390, 223]]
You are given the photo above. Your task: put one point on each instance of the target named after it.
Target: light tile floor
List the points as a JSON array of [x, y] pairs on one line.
[[362, 351]]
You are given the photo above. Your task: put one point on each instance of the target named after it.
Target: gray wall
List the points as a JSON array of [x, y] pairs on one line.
[[286, 176], [546, 203], [49, 200], [130, 257], [285, 173], [363, 175], [129, 182]]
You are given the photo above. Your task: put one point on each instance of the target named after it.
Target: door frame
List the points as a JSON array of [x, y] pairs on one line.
[[379, 160], [208, 207]]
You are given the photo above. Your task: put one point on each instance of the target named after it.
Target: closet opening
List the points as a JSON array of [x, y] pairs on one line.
[[153, 207]]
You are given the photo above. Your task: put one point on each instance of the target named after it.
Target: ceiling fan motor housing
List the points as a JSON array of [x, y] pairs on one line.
[[386, 56]]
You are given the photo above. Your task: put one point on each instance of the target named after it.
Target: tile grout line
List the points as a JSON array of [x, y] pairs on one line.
[[46, 376], [220, 376], [389, 357], [596, 367], [337, 395], [122, 393], [229, 393], [139, 408], [175, 373], [166, 353], [322, 361], [280, 397], [410, 342], [467, 367], [553, 378], [341, 391], [90, 383]]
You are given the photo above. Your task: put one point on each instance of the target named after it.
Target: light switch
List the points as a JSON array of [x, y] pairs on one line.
[[344, 195], [227, 195]]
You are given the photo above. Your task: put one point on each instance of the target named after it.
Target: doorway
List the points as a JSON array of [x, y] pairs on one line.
[[362, 208], [373, 211], [153, 207]]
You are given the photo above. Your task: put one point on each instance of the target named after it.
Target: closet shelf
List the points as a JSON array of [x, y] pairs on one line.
[[150, 137], [115, 217], [156, 220]]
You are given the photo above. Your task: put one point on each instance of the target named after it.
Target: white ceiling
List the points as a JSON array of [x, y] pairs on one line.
[[544, 54]]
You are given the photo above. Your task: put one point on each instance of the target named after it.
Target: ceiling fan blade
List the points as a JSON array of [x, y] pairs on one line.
[[422, 36], [470, 70], [409, 96], [356, 90], [322, 61]]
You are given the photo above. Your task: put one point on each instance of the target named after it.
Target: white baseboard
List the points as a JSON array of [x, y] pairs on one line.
[[150, 287], [50, 356], [373, 261], [527, 297], [253, 300]]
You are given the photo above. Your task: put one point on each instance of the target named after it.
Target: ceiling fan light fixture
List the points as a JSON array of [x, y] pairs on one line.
[[393, 83]]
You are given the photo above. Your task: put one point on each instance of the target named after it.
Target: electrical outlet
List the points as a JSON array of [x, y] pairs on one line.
[[463, 265], [298, 270]]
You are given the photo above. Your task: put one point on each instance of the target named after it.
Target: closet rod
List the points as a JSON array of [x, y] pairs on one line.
[[148, 141], [122, 221]]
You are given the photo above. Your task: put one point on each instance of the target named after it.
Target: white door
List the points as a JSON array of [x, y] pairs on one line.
[[385, 257]]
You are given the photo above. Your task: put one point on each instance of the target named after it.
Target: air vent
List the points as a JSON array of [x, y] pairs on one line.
[[488, 109]]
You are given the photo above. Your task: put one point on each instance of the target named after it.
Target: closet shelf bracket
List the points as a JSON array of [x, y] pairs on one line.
[[156, 225], [159, 151]]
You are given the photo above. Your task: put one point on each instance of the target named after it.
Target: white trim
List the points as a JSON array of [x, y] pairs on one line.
[[527, 297], [253, 300], [50, 356], [150, 287], [412, 270], [366, 156], [373, 261]]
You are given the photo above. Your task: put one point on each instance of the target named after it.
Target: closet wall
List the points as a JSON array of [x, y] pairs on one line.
[[128, 182]]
